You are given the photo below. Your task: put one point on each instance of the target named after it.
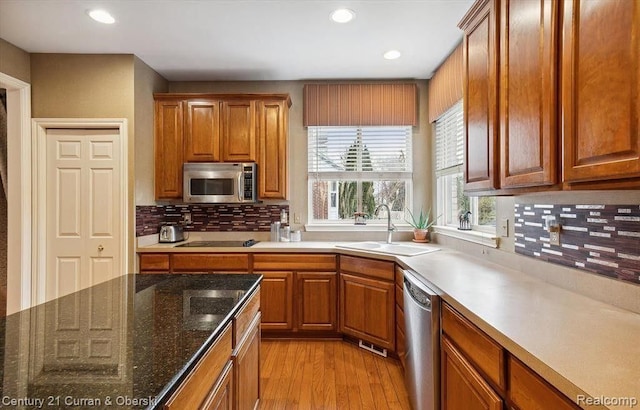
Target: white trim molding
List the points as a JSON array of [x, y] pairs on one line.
[[18, 193], [40, 127], [481, 238]]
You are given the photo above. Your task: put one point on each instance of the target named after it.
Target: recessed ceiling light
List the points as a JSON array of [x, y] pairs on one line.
[[343, 15], [101, 16], [392, 54]]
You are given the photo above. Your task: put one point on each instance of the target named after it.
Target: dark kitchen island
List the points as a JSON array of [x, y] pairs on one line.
[[127, 343]]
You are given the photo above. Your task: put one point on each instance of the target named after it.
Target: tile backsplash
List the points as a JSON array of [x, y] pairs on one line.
[[603, 239], [208, 218]]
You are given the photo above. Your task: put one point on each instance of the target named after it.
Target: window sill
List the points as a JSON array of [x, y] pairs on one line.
[[355, 228], [481, 238]]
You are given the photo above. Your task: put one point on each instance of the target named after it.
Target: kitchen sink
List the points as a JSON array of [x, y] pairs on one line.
[[390, 248]]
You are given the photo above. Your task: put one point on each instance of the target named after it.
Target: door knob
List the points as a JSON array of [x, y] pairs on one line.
[[100, 248]]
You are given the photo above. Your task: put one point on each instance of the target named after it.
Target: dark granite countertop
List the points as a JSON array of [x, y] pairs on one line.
[[124, 344]]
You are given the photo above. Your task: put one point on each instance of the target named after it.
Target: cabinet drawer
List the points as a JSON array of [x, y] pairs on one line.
[[368, 267], [154, 262], [527, 390], [205, 262], [294, 262], [486, 354], [197, 386], [243, 319]]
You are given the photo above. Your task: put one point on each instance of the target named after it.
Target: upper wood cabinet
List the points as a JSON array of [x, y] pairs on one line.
[[528, 92], [202, 131], [551, 95], [168, 149], [222, 128], [239, 131], [480, 51], [601, 92], [273, 118]]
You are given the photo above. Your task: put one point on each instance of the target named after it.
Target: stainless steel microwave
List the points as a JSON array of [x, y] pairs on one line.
[[220, 183]]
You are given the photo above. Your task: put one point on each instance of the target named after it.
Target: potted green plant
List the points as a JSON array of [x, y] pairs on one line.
[[421, 224]]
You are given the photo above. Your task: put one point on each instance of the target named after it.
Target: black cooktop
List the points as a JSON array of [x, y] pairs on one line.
[[218, 244]]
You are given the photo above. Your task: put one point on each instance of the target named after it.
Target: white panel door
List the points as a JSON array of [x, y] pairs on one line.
[[83, 216]]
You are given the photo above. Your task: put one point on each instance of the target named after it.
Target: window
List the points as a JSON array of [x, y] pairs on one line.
[[451, 200], [353, 169]]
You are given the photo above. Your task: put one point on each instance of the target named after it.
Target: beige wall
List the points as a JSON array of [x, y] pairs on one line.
[[298, 137], [88, 86], [14, 61], [146, 82]]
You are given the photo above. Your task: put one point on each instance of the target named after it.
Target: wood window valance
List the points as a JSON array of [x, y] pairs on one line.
[[445, 87], [346, 104]]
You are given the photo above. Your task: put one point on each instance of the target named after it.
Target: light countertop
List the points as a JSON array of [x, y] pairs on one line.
[[580, 345]]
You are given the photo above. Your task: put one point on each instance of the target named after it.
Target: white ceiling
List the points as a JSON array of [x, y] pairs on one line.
[[246, 39]]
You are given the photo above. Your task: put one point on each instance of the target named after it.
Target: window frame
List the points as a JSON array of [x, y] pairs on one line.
[[359, 176], [453, 167]]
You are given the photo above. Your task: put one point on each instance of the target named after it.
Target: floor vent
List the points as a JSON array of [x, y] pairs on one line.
[[373, 348]]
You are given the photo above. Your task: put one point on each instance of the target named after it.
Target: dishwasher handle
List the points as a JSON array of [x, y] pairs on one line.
[[421, 294]]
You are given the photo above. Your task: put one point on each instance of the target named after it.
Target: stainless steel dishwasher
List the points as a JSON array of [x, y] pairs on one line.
[[422, 325]]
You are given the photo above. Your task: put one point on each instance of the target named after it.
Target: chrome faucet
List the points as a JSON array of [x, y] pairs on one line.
[[390, 227]]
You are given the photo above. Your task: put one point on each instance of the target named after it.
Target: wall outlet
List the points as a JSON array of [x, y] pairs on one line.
[[554, 237], [186, 218], [296, 218], [504, 228]]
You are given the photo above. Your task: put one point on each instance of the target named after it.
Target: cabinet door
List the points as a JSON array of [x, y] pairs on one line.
[[601, 90], [480, 96], [317, 300], [462, 386], [247, 369], [168, 149], [276, 300], [202, 131], [367, 310], [238, 131], [272, 147], [528, 93], [221, 397]]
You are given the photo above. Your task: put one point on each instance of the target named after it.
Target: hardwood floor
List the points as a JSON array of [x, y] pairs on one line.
[[328, 375]]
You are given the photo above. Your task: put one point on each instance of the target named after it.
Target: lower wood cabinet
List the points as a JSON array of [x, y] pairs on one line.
[[401, 348], [476, 371], [228, 374], [528, 391], [197, 387], [367, 310], [276, 301], [317, 294], [193, 262], [221, 397], [246, 362], [367, 300], [299, 293], [463, 388]]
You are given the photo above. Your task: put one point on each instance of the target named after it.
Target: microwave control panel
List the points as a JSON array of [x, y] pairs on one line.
[[248, 188]]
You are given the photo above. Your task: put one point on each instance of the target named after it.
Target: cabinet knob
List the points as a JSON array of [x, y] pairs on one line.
[[100, 248]]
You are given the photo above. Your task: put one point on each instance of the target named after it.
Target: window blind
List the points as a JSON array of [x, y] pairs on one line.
[[360, 152], [450, 139]]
